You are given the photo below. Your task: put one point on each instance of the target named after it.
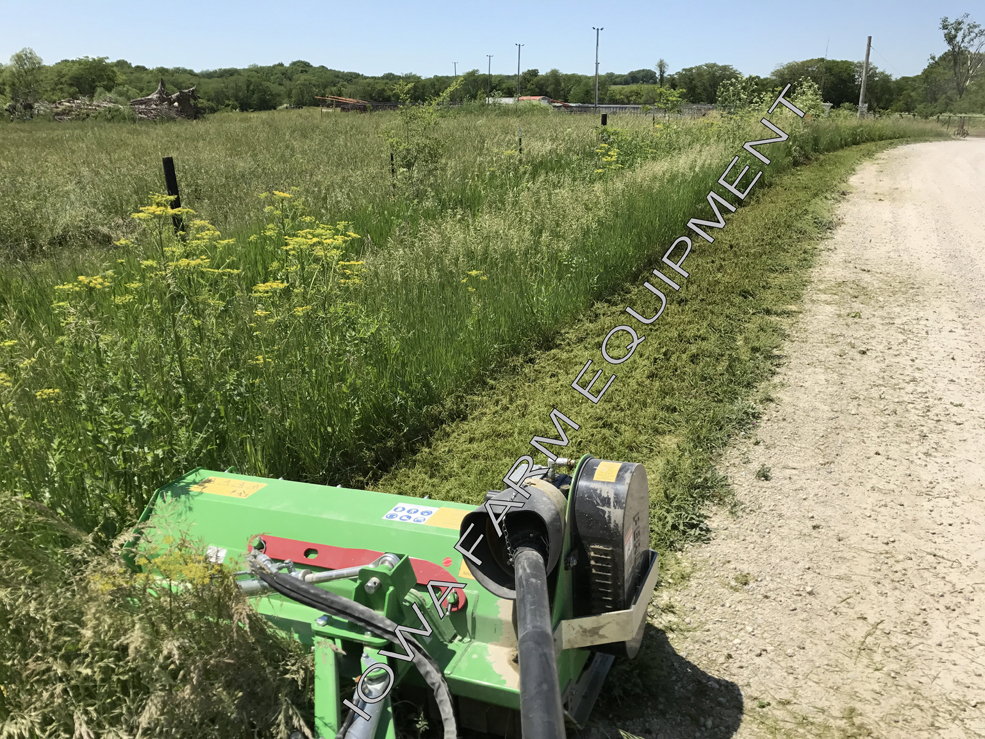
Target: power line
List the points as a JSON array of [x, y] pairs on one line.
[[887, 61]]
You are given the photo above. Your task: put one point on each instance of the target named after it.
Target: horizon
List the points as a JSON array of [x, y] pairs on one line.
[[773, 35]]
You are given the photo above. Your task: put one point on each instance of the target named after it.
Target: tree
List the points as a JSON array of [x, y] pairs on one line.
[[965, 40], [301, 92], [555, 85], [641, 76], [838, 80], [82, 77], [23, 77], [661, 71], [701, 83]]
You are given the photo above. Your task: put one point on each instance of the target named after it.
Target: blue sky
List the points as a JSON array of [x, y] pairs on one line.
[[426, 38]]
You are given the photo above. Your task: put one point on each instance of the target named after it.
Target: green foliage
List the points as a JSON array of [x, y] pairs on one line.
[[965, 56], [838, 80], [82, 77], [741, 94], [663, 98], [701, 82], [414, 142], [806, 95], [23, 77], [116, 114], [91, 648]]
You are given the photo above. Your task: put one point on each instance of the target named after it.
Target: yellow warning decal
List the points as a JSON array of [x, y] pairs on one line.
[[464, 570], [230, 488], [448, 518], [607, 471]]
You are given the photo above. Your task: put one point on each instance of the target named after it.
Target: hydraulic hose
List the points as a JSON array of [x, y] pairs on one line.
[[541, 712], [370, 620]]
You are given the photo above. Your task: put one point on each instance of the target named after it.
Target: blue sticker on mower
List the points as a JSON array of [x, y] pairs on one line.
[[409, 514]]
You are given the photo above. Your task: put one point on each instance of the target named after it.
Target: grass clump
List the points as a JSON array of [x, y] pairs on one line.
[[92, 648]]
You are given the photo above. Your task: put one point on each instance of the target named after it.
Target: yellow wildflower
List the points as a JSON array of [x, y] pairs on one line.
[[123, 299], [26, 364], [261, 313], [148, 263], [48, 394], [134, 285], [94, 283], [8, 343], [301, 310], [283, 195], [190, 263], [267, 288], [5, 380]]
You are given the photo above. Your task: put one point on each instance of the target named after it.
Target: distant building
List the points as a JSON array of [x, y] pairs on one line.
[[542, 99]]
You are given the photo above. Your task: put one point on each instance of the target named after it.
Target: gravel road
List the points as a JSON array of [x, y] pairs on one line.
[[845, 596]]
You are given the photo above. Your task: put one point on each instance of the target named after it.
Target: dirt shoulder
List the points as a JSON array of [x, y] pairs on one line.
[[845, 594]]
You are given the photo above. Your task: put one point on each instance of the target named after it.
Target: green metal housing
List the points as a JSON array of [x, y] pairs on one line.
[[475, 647]]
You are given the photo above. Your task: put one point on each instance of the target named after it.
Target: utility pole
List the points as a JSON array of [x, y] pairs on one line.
[[865, 73], [518, 72], [597, 65], [489, 83], [456, 68]]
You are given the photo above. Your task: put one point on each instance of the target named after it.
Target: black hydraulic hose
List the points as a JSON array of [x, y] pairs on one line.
[[368, 619], [541, 712]]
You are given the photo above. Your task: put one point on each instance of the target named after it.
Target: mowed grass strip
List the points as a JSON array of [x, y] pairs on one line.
[[693, 383]]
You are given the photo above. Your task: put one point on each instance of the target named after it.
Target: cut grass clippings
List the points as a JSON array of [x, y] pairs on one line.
[[691, 385]]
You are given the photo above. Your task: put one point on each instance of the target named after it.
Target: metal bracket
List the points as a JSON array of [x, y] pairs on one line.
[[580, 697], [606, 628]]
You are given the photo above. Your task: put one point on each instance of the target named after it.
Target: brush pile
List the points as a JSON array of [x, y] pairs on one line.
[[161, 104]]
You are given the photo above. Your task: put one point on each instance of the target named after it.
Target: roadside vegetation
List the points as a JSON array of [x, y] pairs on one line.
[[300, 347], [292, 341]]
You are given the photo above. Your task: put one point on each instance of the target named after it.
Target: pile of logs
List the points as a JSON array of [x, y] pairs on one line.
[[158, 105], [70, 110]]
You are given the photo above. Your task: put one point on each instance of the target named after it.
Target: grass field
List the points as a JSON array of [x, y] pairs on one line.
[[298, 346], [408, 335]]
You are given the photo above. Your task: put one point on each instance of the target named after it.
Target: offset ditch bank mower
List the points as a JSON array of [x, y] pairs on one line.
[[502, 619]]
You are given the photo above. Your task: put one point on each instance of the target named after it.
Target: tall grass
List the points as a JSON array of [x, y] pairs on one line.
[[301, 346], [75, 185], [90, 649]]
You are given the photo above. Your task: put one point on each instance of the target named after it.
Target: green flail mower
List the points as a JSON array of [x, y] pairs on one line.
[[502, 619]]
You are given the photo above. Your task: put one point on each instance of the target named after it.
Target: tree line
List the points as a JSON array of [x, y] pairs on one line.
[[951, 82]]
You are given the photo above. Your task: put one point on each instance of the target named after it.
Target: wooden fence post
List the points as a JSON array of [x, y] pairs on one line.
[[171, 180]]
